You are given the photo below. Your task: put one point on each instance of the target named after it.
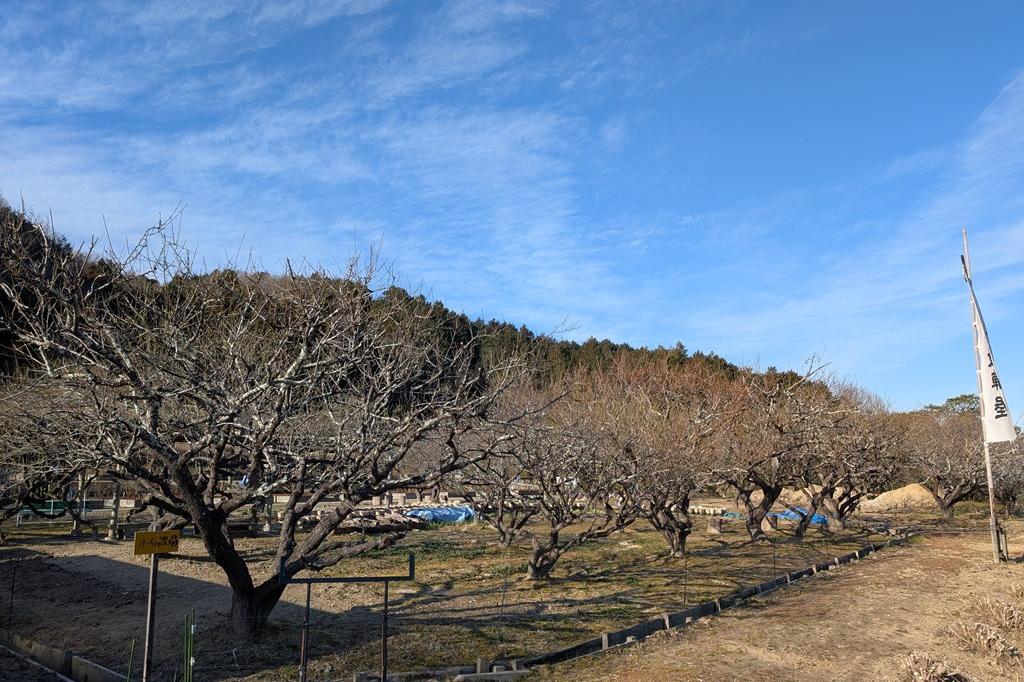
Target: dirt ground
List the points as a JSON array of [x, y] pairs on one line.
[[859, 622], [470, 598]]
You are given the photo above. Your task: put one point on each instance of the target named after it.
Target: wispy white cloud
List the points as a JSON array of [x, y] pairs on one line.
[[900, 291], [919, 162], [614, 132], [94, 56], [476, 198]]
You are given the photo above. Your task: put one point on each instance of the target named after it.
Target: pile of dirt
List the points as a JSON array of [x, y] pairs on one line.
[[793, 496], [913, 496], [799, 496]]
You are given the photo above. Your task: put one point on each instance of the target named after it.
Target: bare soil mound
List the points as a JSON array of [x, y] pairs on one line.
[[913, 496]]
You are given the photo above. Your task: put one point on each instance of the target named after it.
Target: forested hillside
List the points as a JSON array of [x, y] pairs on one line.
[[554, 357]]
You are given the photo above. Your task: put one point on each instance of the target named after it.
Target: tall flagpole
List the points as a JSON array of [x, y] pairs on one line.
[[992, 430]]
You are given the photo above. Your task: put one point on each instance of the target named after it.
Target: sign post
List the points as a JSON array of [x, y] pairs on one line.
[[154, 544]]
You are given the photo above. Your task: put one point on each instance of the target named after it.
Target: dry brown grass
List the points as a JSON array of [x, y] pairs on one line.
[[920, 668], [985, 639], [1002, 614]]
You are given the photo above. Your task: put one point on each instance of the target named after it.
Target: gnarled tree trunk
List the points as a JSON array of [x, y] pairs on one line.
[[674, 527], [947, 498], [250, 608], [543, 557], [756, 512], [814, 503]]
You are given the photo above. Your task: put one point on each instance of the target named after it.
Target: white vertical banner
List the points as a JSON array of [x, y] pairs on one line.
[[997, 424]]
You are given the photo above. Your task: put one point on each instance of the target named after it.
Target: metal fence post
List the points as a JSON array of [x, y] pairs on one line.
[[384, 637], [304, 652]]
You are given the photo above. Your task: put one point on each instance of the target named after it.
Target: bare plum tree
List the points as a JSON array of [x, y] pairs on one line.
[[772, 428], [586, 487], [668, 416], [854, 450], [945, 453], [41, 458], [871, 454], [502, 496], [210, 391], [1008, 475]]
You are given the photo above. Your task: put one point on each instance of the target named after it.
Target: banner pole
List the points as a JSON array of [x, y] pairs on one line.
[[993, 523], [994, 432]]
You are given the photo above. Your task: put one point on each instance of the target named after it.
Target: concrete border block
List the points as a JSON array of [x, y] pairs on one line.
[[583, 648], [771, 585], [728, 601], [491, 677], [686, 616], [638, 631], [51, 657], [84, 670], [802, 573], [411, 676]]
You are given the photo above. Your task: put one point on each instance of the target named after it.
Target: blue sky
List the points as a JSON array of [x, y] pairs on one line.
[[765, 180]]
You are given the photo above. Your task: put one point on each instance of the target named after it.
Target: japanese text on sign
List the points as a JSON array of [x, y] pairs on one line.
[[158, 542]]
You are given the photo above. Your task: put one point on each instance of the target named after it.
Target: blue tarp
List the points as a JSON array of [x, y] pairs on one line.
[[790, 515], [442, 514]]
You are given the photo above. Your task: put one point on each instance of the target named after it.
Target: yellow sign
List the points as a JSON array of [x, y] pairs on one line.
[[157, 542]]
